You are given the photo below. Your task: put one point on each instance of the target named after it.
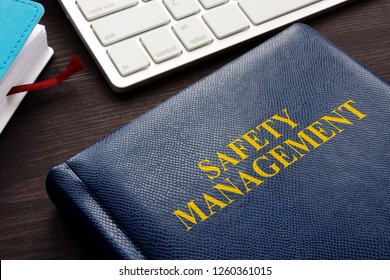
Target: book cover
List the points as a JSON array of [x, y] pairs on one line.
[[17, 20], [23, 53], [281, 154]]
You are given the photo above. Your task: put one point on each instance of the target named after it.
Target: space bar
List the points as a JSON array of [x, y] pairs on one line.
[[129, 22]]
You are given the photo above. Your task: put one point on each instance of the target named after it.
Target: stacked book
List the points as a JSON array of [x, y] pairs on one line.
[[24, 51]]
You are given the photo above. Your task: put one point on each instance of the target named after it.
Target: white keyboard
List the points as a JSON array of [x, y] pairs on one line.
[[136, 41]]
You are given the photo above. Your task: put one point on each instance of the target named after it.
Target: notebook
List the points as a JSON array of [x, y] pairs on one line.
[[24, 51], [280, 154]]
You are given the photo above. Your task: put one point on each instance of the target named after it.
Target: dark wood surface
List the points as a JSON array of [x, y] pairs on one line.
[[52, 125]]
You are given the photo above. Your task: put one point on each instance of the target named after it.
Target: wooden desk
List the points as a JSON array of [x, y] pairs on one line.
[[52, 125]]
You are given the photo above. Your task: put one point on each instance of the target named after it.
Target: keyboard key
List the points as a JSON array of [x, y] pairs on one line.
[[160, 45], [219, 25], [93, 9], [208, 4], [259, 11], [129, 22], [192, 33], [128, 57], [181, 8], [225, 21]]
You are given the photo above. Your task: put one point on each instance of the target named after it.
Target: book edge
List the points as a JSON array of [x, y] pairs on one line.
[[84, 210], [9, 104]]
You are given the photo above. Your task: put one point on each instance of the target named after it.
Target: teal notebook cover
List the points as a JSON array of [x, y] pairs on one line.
[[17, 20]]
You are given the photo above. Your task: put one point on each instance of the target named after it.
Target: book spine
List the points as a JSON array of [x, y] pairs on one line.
[[72, 197]]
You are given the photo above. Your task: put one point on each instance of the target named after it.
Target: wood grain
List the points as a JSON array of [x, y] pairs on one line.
[[52, 125]]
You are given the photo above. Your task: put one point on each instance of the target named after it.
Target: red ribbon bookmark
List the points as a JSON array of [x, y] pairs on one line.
[[75, 65]]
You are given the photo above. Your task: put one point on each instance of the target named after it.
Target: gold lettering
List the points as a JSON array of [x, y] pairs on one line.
[[339, 119], [267, 127], [353, 110], [254, 141], [281, 156], [214, 170], [266, 165], [285, 119], [182, 216], [225, 160], [214, 201], [301, 145], [238, 150], [248, 179], [262, 173], [223, 188], [320, 132]]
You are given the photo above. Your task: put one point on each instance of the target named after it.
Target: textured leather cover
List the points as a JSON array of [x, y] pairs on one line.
[[17, 20], [153, 188]]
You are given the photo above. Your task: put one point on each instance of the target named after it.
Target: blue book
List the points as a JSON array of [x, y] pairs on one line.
[[281, 154], [23, 51]]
